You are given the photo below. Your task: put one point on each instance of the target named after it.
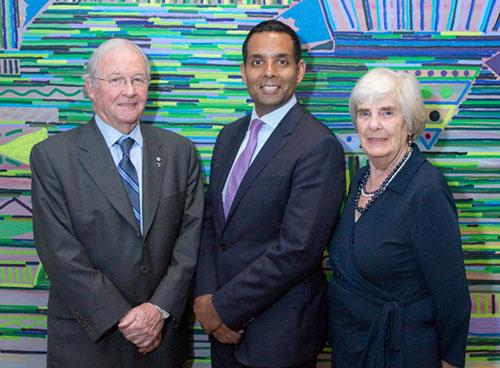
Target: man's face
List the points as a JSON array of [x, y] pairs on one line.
[[120, 105], [270, 71]]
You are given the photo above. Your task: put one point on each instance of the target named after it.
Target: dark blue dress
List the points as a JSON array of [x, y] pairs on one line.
[[399, 295]]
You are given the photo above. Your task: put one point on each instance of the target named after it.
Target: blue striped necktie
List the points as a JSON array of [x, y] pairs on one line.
[[128, 175]]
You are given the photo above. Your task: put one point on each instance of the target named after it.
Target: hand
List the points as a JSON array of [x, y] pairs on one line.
[[142, 326], [212, 323], [446, 365], [227, 336], [206, 314]]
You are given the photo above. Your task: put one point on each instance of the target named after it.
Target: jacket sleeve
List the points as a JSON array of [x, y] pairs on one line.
[[173, 290], [206, 279], [437, 246], [316, 192], [90, 296]]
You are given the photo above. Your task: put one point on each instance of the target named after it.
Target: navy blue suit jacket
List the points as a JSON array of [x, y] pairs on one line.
[[263, 264]]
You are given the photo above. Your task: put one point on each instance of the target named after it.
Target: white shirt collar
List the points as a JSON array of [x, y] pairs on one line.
[[111, 135], [274, 117]]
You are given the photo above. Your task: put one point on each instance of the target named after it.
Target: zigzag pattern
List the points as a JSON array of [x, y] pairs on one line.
[[49, 94]]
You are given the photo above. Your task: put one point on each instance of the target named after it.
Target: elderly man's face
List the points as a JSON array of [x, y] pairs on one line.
[[120, 104]]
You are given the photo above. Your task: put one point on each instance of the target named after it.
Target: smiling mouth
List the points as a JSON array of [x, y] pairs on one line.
[[128, 104], [269, 89]]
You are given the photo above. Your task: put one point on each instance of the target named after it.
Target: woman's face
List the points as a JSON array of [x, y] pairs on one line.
[[382, 131]]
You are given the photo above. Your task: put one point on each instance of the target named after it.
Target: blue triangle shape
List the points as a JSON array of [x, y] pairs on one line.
[[429, 137]]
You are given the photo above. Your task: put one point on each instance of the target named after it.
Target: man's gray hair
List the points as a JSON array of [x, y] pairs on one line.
[[109, 45]]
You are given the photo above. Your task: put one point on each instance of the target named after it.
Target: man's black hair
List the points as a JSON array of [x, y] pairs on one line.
[[274, 26]]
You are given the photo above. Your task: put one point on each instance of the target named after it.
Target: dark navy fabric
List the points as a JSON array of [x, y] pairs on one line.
[[399, 295]]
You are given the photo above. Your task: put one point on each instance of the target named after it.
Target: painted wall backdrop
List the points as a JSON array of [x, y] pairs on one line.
[[451, 46]]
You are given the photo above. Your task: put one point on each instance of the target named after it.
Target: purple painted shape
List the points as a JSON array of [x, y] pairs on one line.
[[25, 236], [15, 183], [485, 325], [494, 64], [16, 207]]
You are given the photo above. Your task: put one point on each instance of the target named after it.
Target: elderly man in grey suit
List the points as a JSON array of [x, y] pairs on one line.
[[117, 210]]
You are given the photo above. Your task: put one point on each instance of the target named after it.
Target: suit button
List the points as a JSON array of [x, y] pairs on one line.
[[223, 246], [76, 315], [144, 269]]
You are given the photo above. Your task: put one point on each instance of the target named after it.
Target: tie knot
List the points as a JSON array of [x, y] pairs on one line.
[[126, 144], [255, 125]]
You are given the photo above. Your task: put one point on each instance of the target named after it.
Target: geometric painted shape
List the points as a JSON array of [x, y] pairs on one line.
[[26, 236], [43, 114], [439, 116], [480, 17], [494, 64], [9, 24], [313, 30], [20, 148], [14, 207], [10, 228], [41, 279], [444, 91], [33, 7], [49, 92], [428, 137], [14, 183]]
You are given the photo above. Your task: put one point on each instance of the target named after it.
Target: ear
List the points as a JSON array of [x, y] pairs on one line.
[[243, 73], [90, 89], [302, 70]]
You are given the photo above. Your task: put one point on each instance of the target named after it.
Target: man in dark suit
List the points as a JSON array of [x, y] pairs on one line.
[[277, 181], [117, 213]]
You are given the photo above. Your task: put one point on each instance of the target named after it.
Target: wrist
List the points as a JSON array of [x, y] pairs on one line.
[[164, 314]]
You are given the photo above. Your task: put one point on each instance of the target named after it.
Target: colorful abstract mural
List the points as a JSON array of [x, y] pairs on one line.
[[451, 46]]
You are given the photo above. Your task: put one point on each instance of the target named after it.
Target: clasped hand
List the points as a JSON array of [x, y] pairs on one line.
[[142, 326]]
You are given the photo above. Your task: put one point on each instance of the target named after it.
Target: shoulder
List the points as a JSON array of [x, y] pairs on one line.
[[235, 126], [60, 143], [313, 133], [165, 136], [428, 178], [430, 191]]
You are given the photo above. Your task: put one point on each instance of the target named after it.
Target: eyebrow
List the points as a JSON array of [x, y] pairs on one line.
[[269, 56]]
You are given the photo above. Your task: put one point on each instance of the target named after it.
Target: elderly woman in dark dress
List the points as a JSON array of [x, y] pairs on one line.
[[399, 296]]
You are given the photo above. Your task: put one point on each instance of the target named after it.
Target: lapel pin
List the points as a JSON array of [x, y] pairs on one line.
[[158, 161]]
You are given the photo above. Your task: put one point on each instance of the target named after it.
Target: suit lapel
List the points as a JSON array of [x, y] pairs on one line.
[[273, 145], [95, 157], [227, 158], [154, 163]]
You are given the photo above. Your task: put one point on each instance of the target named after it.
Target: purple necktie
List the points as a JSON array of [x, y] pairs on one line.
[[241, 166]]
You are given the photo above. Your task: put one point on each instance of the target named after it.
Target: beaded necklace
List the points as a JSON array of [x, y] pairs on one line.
[[381, 189]]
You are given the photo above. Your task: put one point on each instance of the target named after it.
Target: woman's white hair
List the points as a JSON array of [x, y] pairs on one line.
[[93, 63], [379, 83]]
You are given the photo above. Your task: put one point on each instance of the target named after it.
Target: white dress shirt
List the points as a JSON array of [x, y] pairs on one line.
[[271, 121]]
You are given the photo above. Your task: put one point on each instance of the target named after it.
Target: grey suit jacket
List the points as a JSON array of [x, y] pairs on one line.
[[98, 262]]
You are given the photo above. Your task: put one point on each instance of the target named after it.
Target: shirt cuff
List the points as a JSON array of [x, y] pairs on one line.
[[163, 313]]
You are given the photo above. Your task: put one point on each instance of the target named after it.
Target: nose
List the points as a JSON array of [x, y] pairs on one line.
[[270, 69], [129, 88], [374, 122]]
